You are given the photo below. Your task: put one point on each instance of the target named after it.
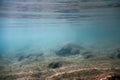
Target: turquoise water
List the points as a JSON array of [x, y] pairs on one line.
[[44, 25]]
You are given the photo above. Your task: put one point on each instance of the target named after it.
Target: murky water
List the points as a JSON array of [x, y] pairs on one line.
[[47, 24], [59, 39]]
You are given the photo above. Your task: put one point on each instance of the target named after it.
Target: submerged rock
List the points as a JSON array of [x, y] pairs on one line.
[[29, 56], [69, 49], [20, 58], [115, 54], [87, 55], [55, 65], [118, 56]]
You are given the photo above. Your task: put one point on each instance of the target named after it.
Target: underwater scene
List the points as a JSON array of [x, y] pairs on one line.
[[59, 39]]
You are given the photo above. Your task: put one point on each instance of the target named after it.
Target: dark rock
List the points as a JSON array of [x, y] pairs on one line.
[[20, 58], [118, 56], [115, 78], [87, 55], [55, 65], [115, 54], [111, 56], [118, 50], [68, 50]]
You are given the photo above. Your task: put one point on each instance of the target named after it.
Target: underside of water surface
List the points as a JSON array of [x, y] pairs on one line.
[[59, 40]]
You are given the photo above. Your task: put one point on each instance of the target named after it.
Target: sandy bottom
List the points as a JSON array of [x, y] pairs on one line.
[[70, 69]]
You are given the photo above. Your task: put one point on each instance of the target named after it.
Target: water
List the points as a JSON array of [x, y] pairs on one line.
[[59, 39], [44, 25]]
